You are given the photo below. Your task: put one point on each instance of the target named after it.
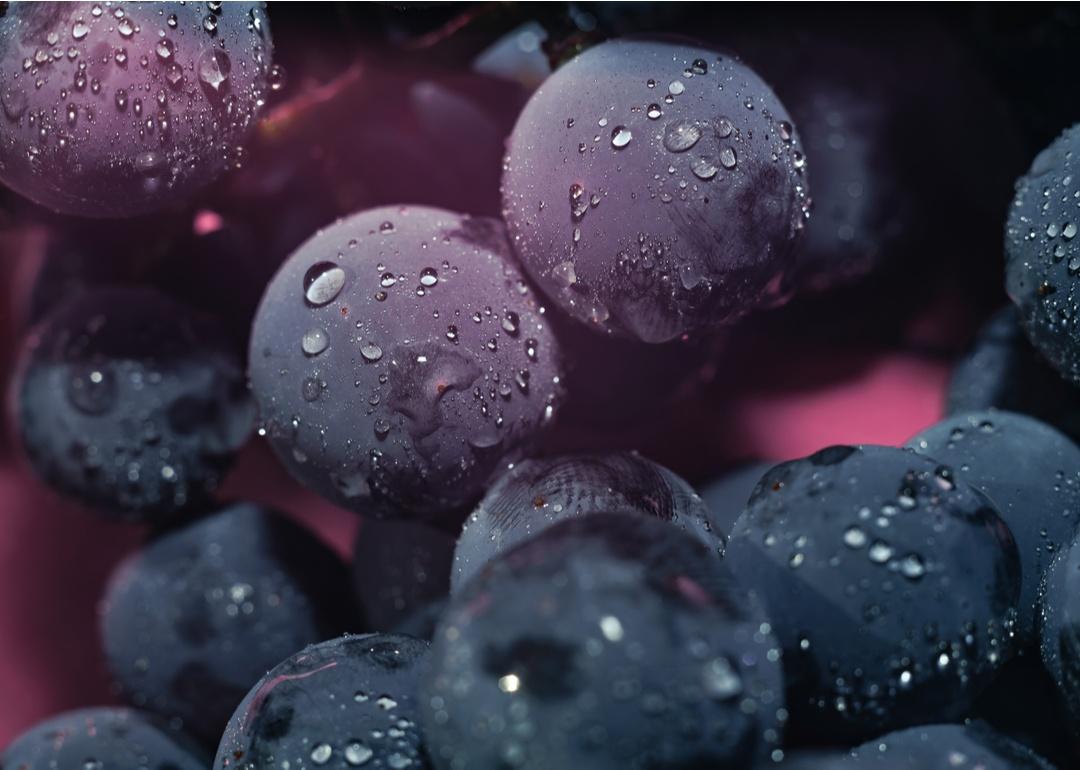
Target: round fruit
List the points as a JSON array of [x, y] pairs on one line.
[[131, 403], [895, 581], [347, 702], [114, 110], [1032, 475], [535, 494], [194, 619], [398, 358], [945, 747], [655, 189], [607, 641], [104, 738], [1060, 628]]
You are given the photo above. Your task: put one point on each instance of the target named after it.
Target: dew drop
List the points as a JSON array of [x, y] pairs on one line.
[[322, 283], [681, 135], [214, 69], [370, 351], [314, 342], [727, 158], [429, 277], [620, 137]]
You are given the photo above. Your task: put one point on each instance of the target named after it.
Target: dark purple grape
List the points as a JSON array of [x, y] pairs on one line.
[[398, 358], [1032, 475], [654, 189], [131, 403], [727, 496], [348, 702], [113, 111], [192, 620], [945, 747], [1059, 628], [1043, 255], [892, 584], [1003, 371], [398, 569], [607, 641], [535, 494], [102, 739]]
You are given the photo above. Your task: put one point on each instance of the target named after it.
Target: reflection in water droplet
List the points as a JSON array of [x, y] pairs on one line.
[[322, 283]]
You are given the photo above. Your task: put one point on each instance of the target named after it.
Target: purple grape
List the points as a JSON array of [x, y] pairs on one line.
[[131, 403], [1043, 254], [398, 358], [655, 189], [104, 738], [114, 111], [399, 569], [1030, 472], [972, 746], [606, 641], [1060, 629], [536, 494], [1003, 371], [347, 702], [891, 582], [192, 620]]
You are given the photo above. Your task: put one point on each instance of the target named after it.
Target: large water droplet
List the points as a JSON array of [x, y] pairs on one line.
[[728, 158], [322, 283], [681, 135], [314, 341], [214, 69], [620, 137], [429, 277], [356, 753], [370, 351], [79, 29]]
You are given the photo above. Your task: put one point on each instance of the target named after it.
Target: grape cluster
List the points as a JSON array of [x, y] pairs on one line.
[[439, 300]]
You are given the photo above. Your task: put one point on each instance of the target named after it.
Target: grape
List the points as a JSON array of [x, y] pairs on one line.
[[131, 403], [896, 583], [1060, 627], [343, 703], [399, 568], [1043, 255], [1030, 472], [535, 494], [104, 738], [945, 747], [398, 358], [110, 112], [1003, 371], [726, 497], [654, 189], [606, 641], [194, 619]]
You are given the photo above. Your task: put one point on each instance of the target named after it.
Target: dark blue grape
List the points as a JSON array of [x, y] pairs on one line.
[[945, 747], [399, 568], [1043, 255], [726, 497], [1032, 475], [102, 739], [191, 621], [131, 403], [113, 111], [348, 702], [398, 358], [535, 494], [1003, 371], [607, 641], [1059, 629], [892, 584], [654, 189]]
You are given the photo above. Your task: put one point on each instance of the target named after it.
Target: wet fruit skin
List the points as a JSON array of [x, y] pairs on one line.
[[945, 747], [607, 641], [537, 493], [1043, 254], [726, 497], [1060, 628], [346, 702], [398, 358], [652, 211], [1030, 472], [192, 620], [398, 569], [1003, 371], [102, 738], [138, 106], [131, 403], [879, 546]]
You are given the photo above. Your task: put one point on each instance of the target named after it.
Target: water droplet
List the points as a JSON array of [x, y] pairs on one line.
[[699, 67], [14, 101], [386, 703], [320, 755], [854, 537], [676, 87], [1069, 231], [620, 137], [210, 23], [79, 29], [727, 158], [214, 69], [681, 135], [786, 131], [125, 27], [356, 753], [277, 77], [429, 277], [310, 389], [92, 390], [703, 168], [382, 428], [511, 323], [370, 351], [912, 567], [322, 283], [564, 273], [314, 341], [121, 99], [653, 111], [165, 49], [721, 680], [880, 552]]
